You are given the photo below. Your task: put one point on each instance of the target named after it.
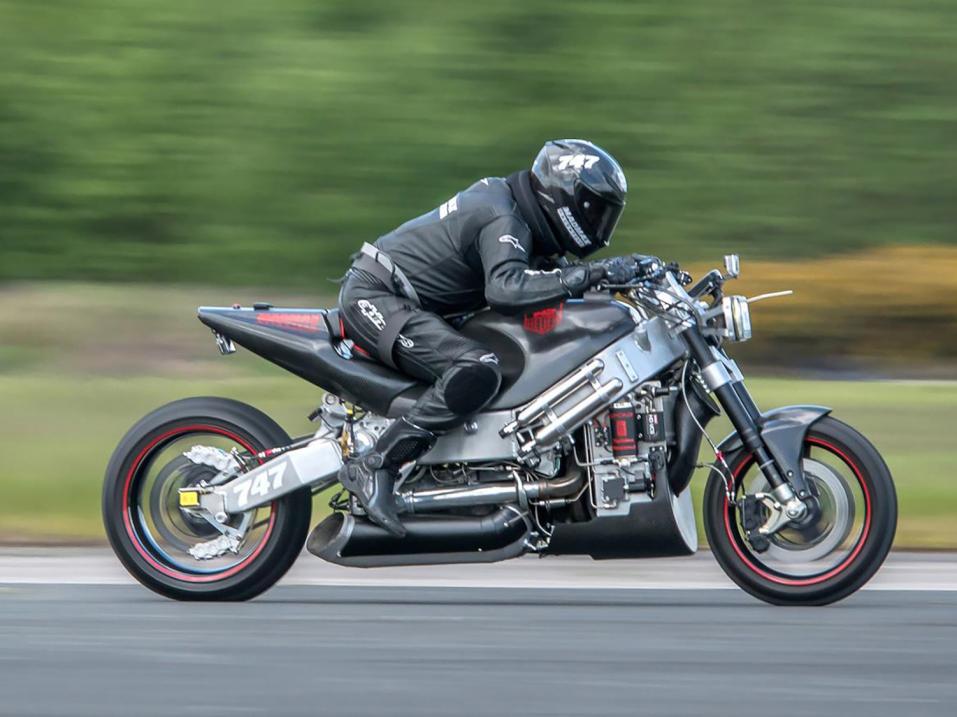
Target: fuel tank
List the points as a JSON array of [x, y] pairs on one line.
[[539, 348]]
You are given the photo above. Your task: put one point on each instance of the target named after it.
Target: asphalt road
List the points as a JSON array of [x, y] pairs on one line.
[[373, 648]]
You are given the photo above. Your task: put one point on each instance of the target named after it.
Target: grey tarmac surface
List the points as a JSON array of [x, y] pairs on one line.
[[439, 644]]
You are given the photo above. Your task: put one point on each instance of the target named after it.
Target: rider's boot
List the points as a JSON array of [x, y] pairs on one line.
[[371, 477]]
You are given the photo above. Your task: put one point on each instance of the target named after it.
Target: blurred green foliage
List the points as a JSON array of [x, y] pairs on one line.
[[250, 142]]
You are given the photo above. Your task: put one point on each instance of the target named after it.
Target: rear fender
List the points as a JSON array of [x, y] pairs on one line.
[[783, 431]]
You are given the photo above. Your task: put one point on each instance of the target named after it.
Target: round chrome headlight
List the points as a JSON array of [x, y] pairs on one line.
[[737, 318]]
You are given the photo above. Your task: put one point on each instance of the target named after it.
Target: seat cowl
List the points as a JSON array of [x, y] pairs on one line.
[[297, 321], [299, 340]]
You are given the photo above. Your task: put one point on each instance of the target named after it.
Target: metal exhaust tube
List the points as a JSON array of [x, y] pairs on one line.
[[345, 539], [537, 408], [572, 418], [432, 499]]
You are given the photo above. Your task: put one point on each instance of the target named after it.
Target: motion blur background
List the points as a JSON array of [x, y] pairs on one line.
[[155, 156]]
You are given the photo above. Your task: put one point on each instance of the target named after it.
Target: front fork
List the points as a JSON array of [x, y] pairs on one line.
[[789, 489]]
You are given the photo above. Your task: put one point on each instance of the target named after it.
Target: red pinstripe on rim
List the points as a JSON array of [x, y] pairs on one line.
[[134, 538], [815, 579]]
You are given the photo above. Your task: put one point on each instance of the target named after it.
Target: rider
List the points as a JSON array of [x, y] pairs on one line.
[[500, 243]]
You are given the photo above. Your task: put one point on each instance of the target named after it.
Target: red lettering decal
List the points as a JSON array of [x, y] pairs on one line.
[[307, 323], [543, 321]]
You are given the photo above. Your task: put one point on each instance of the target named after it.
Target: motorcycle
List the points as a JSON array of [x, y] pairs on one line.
[[588, 449]]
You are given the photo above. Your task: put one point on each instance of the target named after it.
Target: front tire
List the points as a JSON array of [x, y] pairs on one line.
[[823, 562], [150, 535]]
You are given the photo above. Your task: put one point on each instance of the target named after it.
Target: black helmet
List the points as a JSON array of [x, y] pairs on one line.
[[581, 189]]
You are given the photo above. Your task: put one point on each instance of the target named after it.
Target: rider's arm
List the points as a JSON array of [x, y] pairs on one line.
[[511, 286]]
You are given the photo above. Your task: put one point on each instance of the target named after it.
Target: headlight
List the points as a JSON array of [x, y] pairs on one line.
[[737, 318]]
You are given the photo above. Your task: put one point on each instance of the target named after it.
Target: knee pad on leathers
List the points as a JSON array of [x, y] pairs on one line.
[[471, 382]]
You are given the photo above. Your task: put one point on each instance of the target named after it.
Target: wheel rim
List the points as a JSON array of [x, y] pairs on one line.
[[831, 543], [161, 531], [814, 542], [177, 528]]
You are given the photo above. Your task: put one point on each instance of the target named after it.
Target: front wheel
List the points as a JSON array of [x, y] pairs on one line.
[[152, 535], [828, 558]]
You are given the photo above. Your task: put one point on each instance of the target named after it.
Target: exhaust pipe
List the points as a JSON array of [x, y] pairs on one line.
[[571, 419], [563, 389], [520, 492], [345, 539]]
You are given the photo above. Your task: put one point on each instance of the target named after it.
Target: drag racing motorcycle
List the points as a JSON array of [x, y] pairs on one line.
[[588, 449]]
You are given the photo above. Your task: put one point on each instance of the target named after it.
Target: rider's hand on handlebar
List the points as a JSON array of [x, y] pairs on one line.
[[651, 268], [616, 270], [620, 270]]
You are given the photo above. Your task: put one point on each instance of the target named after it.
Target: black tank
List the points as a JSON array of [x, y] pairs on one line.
[[539, 348]]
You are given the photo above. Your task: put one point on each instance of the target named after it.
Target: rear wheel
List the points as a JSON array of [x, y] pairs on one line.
[[152, 535], [829, 557]]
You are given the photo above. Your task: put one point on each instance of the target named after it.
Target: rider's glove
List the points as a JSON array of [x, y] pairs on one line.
[[617, 269], [651, 268], [579, 278]]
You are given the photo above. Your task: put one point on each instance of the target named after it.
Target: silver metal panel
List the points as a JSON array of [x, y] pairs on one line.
[[715, 375], [626, 364], [315, 462], [650, 349], [729, 363], [481, 443]]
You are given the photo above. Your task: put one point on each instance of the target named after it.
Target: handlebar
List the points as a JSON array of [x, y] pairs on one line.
[[707, 284]]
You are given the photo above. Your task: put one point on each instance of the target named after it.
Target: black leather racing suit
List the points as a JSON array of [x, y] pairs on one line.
[[483, 247]]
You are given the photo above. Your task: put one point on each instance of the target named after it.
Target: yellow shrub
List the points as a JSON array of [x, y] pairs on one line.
[[891, 307]]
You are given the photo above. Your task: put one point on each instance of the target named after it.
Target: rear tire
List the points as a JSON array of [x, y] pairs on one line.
[[237, 423], [865, 552]]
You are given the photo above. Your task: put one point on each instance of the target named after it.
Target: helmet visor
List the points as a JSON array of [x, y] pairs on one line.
[[599, 215]]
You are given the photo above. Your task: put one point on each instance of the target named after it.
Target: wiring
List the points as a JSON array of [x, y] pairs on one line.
[[723, 469]]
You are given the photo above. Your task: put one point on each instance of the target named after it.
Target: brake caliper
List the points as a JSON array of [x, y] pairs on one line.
[[753, 516]]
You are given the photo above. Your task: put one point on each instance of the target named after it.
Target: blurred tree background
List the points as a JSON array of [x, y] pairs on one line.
[[229, 141]]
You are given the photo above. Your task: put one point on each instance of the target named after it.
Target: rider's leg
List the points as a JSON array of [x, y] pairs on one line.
[[463, 375], [371, 476]]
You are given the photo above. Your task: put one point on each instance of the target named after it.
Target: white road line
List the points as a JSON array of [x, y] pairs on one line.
[[85, 566]]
